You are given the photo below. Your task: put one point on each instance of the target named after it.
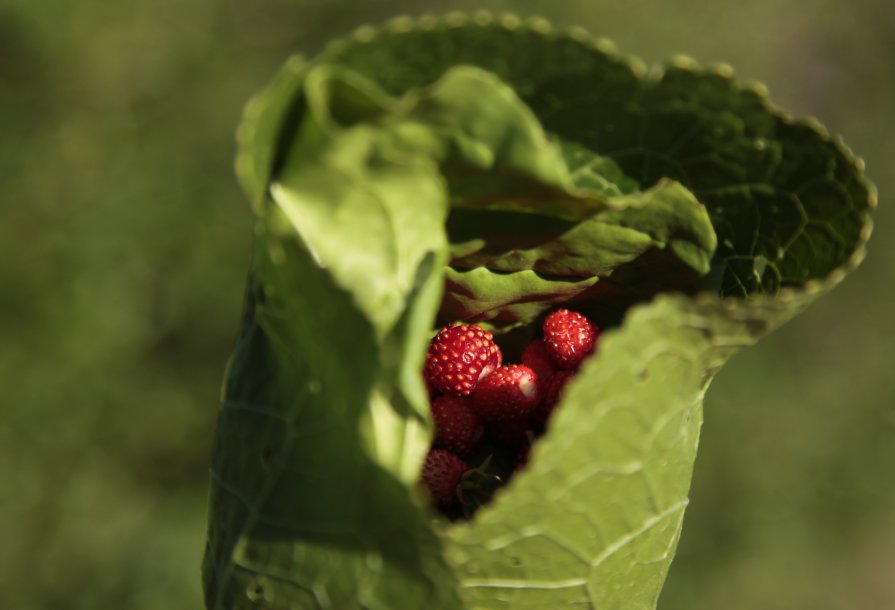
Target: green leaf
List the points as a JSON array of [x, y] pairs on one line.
[[265, 119], [490, 169], [666, 216]]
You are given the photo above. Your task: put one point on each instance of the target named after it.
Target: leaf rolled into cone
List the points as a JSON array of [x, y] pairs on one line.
[[490, 171]]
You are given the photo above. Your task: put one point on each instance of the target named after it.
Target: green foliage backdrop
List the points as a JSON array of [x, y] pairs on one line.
[[125, 244]]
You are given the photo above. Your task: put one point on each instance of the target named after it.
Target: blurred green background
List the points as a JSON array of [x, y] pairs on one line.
[[124, 243]]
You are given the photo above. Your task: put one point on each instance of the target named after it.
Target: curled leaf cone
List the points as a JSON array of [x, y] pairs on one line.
[[731, 216]]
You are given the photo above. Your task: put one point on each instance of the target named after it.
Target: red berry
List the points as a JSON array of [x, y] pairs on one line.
[[460, 355], [457, 426], [513, 433], [535, 356], [506, 394], [522, 457], [553, 389], [442, 472], [569, 337]]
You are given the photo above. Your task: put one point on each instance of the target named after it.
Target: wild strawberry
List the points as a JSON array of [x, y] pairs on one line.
[[522, 457], [442, 473], [553, 389], [513, 433], [569, 337], [508, 393], [535, 357], [457, 426], [459, 356]]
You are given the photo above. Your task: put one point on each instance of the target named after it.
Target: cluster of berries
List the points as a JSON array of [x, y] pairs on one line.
[[481, 406]]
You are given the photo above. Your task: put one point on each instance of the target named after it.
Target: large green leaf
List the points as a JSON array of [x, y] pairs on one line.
[[487, 168]]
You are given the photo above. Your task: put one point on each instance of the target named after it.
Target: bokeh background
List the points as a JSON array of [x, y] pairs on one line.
[[124, 243]]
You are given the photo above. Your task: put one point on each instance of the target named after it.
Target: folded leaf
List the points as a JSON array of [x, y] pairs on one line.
[[488, 169]]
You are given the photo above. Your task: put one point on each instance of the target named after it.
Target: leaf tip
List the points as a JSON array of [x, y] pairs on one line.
[[605, 45], [723, 70], [427, 22], [540, 25], [872, 198], [400, 24], [814, 124], [788, 294], [866, 231], [855, 259], [638, 67], [814, 286], [759, 89], [578, 33], [483, 18], [683, 62], [839, 274], [364, 34], [509, 21], [456, 19]]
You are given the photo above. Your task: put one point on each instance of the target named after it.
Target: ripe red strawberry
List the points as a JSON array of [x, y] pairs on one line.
[[553, 389], [457, 426], [569, 337], [442, 473], [459, 356], [522, 457], [535, 357], [520, 431], [508, 393]]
